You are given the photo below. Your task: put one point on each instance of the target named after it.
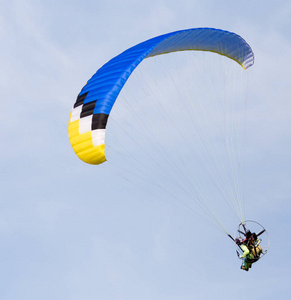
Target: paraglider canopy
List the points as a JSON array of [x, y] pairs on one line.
[[89, 115]]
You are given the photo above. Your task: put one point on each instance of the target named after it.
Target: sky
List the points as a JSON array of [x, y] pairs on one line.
[[73, 231]]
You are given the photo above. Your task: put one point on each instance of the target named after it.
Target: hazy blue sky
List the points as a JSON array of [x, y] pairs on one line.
[[74, 231]]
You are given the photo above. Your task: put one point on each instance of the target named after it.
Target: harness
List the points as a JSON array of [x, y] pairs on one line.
[[254, 248]]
